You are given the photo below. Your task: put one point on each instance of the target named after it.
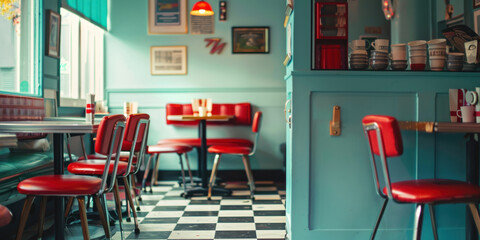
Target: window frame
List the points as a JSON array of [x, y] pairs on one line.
[[83, 60]]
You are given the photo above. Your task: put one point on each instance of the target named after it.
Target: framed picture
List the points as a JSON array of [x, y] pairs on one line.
[[250, 40], [52, 42], [168, 60], [476, 21], [476, 3], [167, 17]]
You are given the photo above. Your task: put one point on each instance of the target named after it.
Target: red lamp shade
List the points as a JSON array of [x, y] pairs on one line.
[[202, 8]]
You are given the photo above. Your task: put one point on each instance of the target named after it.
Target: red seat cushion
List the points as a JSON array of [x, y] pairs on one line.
[[433, 190], [95, 167], [60, 185], [196, 142], [123, 157], [169, 148], [229, 149]]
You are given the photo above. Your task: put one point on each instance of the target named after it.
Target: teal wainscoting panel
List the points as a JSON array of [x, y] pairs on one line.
[[341, 180], [330, 190], [451, 164]]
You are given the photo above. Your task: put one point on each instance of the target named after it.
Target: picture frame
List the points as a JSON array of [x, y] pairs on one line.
[[168, 60], [476, 3], [52, 42], [167, 17], [250, 40], [476, 21]]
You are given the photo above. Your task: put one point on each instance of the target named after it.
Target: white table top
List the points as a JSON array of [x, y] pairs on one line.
[[50, 125]]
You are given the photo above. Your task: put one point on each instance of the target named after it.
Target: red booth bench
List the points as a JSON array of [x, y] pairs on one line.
[[20, 164], [242, 116]]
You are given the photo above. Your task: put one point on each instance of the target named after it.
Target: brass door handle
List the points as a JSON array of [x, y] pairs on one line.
[[335, 127]]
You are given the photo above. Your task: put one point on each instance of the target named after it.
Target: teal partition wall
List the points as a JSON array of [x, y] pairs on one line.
[[330, 189], [224, 77]]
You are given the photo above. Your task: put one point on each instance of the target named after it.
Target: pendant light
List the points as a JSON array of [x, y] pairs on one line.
[[202, 8]]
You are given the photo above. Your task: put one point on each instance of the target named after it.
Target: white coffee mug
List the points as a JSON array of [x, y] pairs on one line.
[[466, 114], [357, 45], [399, 51], [380, 45]]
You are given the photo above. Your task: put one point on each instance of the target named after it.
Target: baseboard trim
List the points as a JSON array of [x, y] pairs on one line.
[[276, 175]]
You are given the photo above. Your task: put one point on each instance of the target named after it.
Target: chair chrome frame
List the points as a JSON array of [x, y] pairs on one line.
[[419, 209], [104, 187], [246, 163]]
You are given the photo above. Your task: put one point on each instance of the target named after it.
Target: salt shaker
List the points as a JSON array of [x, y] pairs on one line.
[[90, 109]]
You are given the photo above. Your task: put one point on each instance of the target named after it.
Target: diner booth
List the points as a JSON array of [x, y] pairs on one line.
[[186, 105]]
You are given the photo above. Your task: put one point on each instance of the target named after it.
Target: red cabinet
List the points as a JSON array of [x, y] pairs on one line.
[[331, 35]]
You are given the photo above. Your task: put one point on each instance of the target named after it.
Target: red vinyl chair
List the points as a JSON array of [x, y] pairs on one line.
[[127, 152], [385, 141], [156, 150], [110, 133], [236, 149], [136, 133]]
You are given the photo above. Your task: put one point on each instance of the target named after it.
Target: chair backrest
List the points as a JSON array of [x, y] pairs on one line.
[[136, 133], [109, 142], [104, 134], [385, 140], [131, 130], [391, 136], [257, 120]]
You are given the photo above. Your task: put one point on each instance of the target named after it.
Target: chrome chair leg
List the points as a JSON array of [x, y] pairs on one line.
[[432, 219], [41, 218], [248, 170], [83, 147], [213, 175], [24, 216], [134, 188], [476, 217], [417, 230], [145, 175], [103, 216], [183, 174], [69, 151], [384, 205], [189, 170], [154, 180]]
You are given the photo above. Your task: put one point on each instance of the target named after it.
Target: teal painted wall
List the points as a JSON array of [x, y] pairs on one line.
[[366, 13], [254, 78]]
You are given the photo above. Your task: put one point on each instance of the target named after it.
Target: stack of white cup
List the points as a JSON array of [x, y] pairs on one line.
[[379, 56], [418, 55], [358, 56], [398, 56], [437, 53]]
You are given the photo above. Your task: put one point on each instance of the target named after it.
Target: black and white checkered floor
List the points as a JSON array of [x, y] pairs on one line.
[[166, 215]]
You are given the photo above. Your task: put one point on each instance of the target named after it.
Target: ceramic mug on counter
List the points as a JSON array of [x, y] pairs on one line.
[[380, 45], [357, 46], [398, 51], [466, 113]]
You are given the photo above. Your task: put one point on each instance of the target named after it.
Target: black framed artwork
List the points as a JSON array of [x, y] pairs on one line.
[[52, 43], [250, 40]]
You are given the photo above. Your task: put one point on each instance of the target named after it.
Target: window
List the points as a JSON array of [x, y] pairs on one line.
[[19, 48], [81, 60]]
